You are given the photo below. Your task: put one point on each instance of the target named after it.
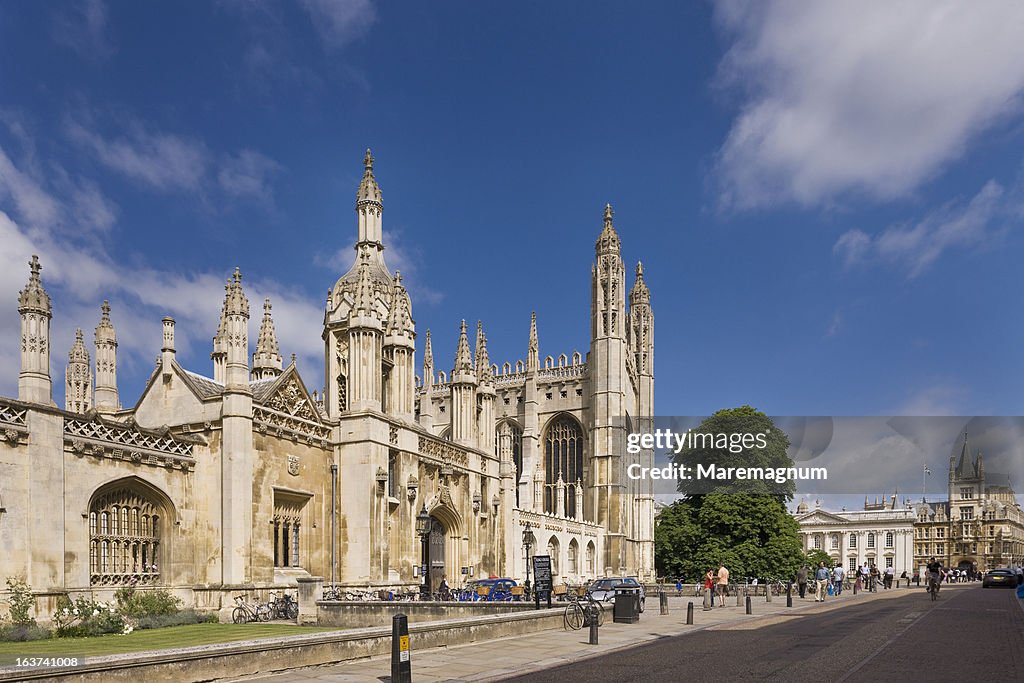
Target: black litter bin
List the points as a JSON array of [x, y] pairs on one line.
[[627, 606]]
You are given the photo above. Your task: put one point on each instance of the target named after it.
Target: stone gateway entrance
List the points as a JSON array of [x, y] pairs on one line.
[[435, 557]]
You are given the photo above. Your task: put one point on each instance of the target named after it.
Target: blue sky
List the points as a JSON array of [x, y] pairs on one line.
[[827, 200]]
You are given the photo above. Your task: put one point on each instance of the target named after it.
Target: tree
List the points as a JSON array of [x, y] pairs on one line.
[[746, 528], [736, 438], [816, 556]]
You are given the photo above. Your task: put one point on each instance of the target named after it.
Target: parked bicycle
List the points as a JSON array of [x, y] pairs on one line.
[[244, 612], [576, 611], [332, 593], [284, 607]]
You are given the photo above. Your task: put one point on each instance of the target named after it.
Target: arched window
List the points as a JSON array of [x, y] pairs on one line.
[[871, 540], [591, 552], [889, 538], [571, 557], [835, 541], [563, 458], [121, 550]]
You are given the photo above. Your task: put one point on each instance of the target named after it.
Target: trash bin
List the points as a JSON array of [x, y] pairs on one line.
[[627, 605]]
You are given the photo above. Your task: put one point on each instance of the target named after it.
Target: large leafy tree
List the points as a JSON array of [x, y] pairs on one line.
[[743, 525]]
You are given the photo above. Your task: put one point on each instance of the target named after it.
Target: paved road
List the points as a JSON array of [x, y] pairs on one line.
[[968, 634]]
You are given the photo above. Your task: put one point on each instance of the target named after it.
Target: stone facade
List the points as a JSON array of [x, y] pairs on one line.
[[246, 479], [880, 534], [980, 525]]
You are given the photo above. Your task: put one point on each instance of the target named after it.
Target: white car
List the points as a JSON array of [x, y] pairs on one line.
[[603, 590]]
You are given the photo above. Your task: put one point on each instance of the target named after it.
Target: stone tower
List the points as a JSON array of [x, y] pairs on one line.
[[463, 388], [34, 385], [106, 363], [78, 376]]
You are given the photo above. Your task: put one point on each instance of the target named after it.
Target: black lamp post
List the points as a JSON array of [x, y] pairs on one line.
[[528, 541], [423, 529]]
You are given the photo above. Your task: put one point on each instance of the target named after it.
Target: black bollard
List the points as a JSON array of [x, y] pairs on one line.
[[767, 593], [401, 666], [708, 600], [664, 603], [689, 613], [592, 611], [749, 609], [789, 594]]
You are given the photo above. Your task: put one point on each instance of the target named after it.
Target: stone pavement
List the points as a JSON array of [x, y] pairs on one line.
[[505, 657]]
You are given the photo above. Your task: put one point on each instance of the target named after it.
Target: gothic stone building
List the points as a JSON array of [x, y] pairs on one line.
[[246, 479], [980, 525]]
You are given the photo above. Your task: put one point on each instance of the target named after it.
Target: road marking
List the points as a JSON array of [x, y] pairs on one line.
[[899, 632]]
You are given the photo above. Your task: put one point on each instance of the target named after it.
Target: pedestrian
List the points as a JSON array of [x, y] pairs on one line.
[[865, 572], [679, 587], [821, 576], [723, 584], [709, 585], [837, 578], [890, 574], [875, 576], [801, 580]]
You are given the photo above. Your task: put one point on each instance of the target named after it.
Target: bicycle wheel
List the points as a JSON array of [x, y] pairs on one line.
[[573, 617], [293, 610], [600, 613], [238, 615], [262, 613]]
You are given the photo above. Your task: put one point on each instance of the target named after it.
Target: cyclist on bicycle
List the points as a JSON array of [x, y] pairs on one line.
[[934, 574]]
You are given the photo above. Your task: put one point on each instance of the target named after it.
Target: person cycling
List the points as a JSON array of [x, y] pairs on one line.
[[934, 575]]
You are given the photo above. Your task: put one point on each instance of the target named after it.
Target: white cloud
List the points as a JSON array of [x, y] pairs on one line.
[[937, 399], [82, 27], [163, 161], [80, 273], [864, 98], [247, 174], [340, 21], [914, 247]]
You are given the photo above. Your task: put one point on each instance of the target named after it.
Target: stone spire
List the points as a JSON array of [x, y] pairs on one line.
[[364, 296], [369, 207], [78, 388], [640, 294], [34, 384], [400, 322], [428, 362], [106, 363], [220, 343], [236, 333], [266, 362], [484, 374], [533, 350], [463, 359], [608, 242], [167, 351]]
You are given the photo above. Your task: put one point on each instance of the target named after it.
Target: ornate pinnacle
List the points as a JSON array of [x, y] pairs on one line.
[[368, 160], [368, 191], [640, 294], [463, 358], [78, 353], [235, 301], [105, 330], [483, 361], [34, 298], [533, 350], [609, 239], [268, 352]]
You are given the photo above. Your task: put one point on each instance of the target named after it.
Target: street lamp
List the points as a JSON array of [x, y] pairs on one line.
[[528, 540], [423, 529]]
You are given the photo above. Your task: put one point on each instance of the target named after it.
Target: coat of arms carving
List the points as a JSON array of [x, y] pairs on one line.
[[293, 465]]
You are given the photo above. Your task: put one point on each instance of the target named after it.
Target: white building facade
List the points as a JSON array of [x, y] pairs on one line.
[[881, 534]]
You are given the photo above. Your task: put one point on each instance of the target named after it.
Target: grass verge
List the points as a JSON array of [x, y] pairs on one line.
[[152, 639]]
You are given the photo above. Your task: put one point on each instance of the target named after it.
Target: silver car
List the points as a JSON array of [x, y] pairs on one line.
[[604, 589]]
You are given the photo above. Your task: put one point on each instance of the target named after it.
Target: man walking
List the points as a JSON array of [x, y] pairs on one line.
[[723, 584], [837, 579], [821, 576], [890, 573], [801, 580]]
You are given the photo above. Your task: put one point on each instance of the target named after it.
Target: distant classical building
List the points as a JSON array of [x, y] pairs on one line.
[[880, 534], [980, 525], [245, 478]]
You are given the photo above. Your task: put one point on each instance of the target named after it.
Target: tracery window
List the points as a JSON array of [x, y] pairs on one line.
[[563, 456], [124, 539], [572, 556]]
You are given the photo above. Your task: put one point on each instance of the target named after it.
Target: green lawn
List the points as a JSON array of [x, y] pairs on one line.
[[153, 639]]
